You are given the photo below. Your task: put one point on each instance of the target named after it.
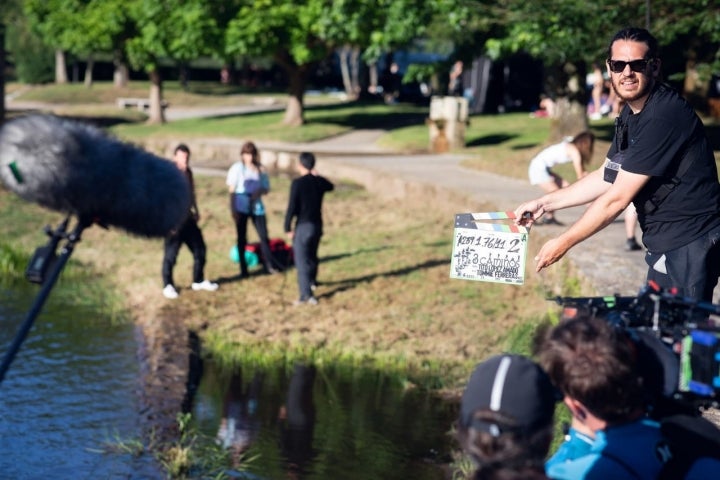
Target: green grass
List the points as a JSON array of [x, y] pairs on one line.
[[12, 264], [321, 122], [198, 94]]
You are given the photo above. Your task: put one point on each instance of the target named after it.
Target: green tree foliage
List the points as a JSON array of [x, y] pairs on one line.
[[32, 60], [567, 36], [299, 34], [690, 37], [51, 21], [29, 58], [288, 31], [181, 30]]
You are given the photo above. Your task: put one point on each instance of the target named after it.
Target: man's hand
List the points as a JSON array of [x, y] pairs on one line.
[[528, 213], [551, 252]]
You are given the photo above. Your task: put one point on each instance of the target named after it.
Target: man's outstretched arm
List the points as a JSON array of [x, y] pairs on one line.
[[599, 214], [583, 191]]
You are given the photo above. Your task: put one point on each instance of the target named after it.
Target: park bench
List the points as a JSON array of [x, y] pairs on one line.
[[139, 103]]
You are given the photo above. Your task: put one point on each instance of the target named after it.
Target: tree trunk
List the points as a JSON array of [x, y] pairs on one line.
[[228, 74], [373, 77], [355, 71], [294, 109], [570, 112], [89, 71], [184, 75], [120, 74], [2, 73], [343, 55], [570, 119], [60, 67], [157, 113]]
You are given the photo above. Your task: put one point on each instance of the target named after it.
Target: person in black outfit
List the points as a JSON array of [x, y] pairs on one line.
[[189, 233], [305, 205], [662, 162]]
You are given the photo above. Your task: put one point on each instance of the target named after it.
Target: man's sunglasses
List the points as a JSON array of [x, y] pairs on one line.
[[618, 66]]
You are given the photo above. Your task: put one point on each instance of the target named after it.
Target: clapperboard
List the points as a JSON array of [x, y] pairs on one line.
[[489, 250]]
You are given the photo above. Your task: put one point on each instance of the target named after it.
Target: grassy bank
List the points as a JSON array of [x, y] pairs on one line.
[[386, 298]]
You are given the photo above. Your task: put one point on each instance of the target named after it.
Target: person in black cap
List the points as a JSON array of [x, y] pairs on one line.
[[506, 418]]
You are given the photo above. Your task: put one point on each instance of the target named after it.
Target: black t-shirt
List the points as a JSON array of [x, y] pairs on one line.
[[653, 142], [305, 203]]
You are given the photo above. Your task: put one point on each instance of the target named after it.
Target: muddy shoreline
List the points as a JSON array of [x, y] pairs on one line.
[[170, 358]]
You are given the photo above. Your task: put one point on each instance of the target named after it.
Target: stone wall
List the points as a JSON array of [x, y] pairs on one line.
[[223, 152]]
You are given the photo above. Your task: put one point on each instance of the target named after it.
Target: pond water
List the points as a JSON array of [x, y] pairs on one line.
[[307, 423], [71, 389]]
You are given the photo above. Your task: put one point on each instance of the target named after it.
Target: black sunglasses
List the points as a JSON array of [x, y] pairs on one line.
[[618, 66]]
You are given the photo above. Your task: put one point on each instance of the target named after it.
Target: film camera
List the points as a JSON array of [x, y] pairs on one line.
[[682, 334]]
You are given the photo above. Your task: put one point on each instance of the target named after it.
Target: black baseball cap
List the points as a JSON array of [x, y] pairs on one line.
[[513, 385]]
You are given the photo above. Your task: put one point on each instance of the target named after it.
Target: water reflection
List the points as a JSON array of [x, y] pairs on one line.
[[304, 423], [297, 422], [71, 388], [239, 424]]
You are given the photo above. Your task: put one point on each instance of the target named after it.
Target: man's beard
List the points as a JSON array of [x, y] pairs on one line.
[[638, 94]]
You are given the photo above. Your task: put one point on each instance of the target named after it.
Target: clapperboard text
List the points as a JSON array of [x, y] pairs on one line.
[[490, 252]]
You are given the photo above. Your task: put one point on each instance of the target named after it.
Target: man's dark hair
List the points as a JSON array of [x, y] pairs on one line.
[[182, 148], [596, 364], [307, 160], [635, 34]]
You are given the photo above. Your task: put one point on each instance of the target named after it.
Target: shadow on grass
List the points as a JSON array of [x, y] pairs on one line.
[[101, 121], [362, 251], [217, 89], [288, 268], [488, 140], [399, 117], [350, 283]]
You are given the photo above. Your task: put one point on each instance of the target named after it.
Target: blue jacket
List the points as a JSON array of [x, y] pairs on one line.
[[635, 450]]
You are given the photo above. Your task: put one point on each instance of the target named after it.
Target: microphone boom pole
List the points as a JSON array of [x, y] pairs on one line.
[[47, 286]]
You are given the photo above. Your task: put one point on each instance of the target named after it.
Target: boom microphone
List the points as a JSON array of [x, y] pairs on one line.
[[76, 168]]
